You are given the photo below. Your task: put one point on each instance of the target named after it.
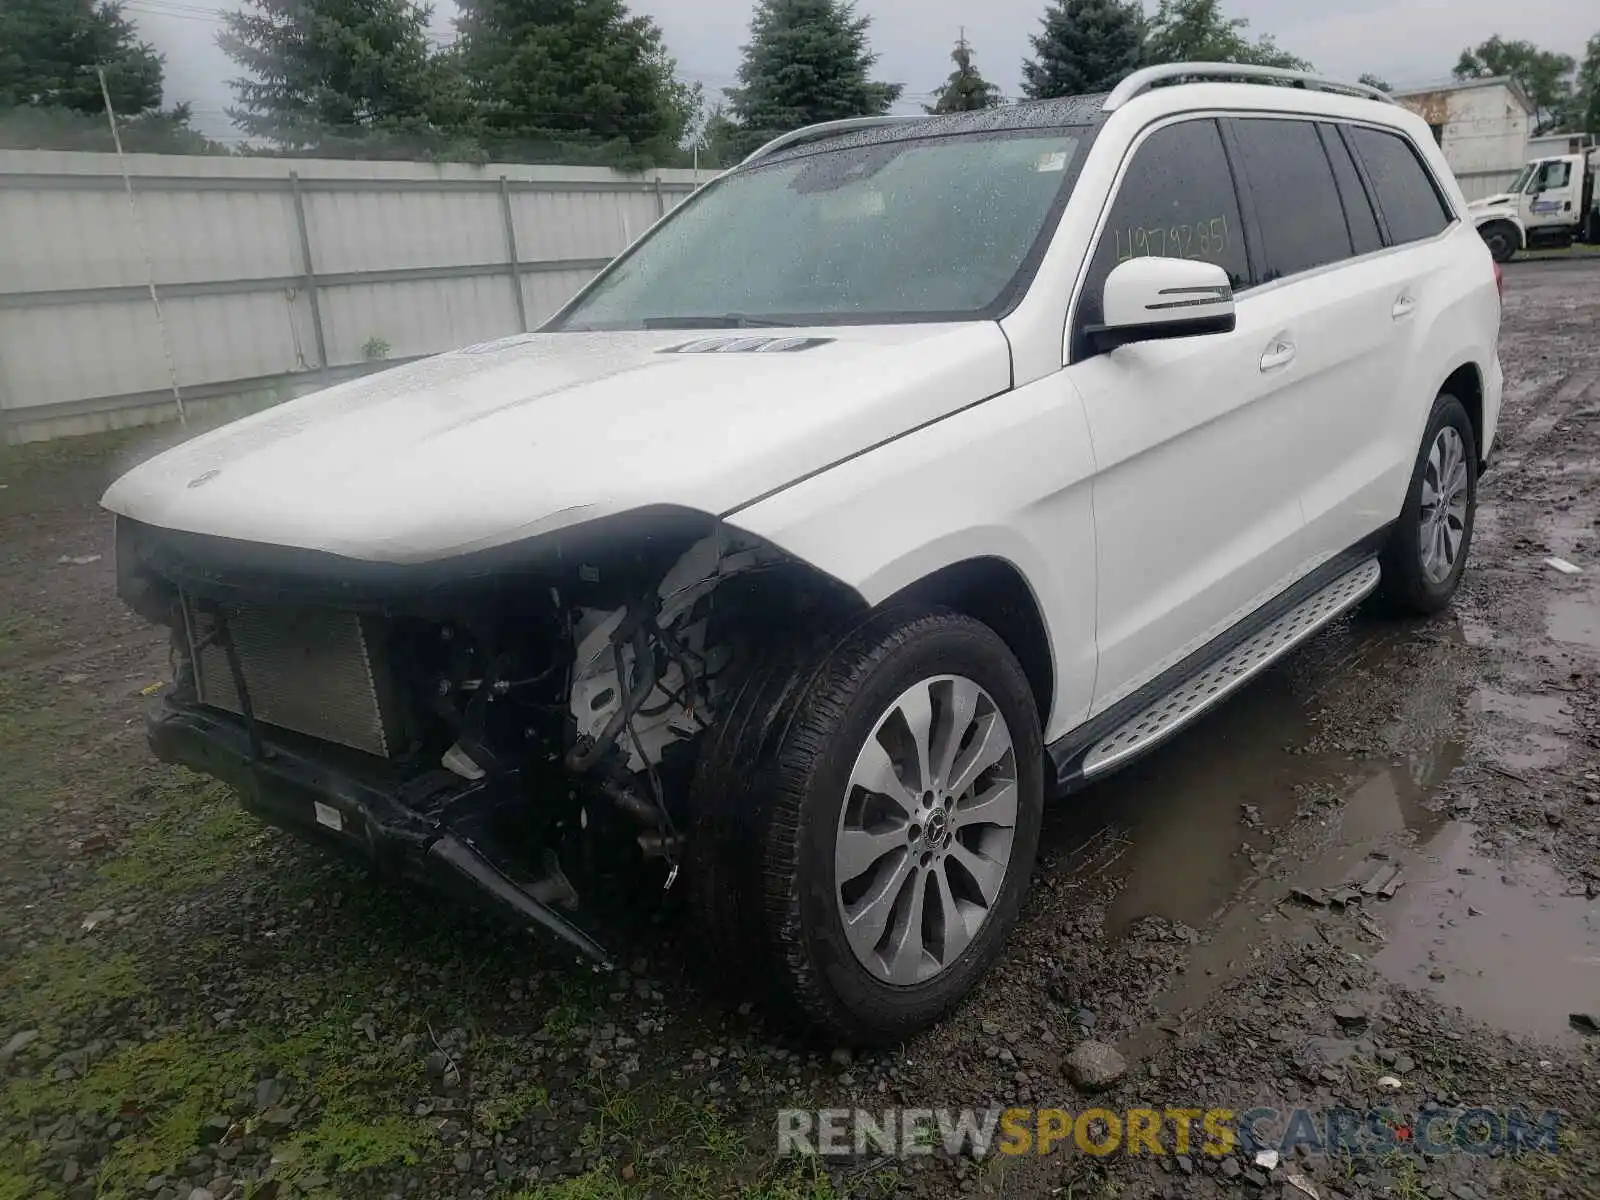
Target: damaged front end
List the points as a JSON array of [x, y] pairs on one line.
[[502, 724]]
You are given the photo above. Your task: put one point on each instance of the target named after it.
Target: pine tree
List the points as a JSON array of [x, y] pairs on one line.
[[965, 90], [579, 80], [335, 77], [51, 54], [1086, 46], [1197, 31], [807, 61]]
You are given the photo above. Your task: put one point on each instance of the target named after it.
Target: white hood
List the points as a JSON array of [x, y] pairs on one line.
[[483, 446]]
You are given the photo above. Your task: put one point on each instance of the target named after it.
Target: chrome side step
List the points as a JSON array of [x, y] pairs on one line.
[[1219, 679]]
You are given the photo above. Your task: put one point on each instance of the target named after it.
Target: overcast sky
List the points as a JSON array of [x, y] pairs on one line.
[[1403, 41]]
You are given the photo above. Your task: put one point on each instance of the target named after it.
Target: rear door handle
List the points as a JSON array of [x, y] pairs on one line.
[[1279, 354], [1403, 305]]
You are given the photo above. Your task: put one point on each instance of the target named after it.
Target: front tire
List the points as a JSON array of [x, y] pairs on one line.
[[1502, 239], [867, 817], [1427, 551]]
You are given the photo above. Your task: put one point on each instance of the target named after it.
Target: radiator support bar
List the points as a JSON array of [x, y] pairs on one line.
[[430, 831]]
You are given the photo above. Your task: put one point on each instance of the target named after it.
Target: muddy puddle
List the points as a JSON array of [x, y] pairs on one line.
[[1220, 827], [1502, 940], [1574, 620]]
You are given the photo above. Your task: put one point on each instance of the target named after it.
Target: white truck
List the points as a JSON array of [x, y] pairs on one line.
[[1551, 203]]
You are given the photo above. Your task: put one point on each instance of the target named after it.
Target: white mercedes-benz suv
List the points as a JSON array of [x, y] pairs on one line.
[[911, 473]]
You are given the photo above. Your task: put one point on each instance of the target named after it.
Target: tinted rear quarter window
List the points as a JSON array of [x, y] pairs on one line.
[[1364, 234], [1296, 201], [1411, 204], [1176, 200]]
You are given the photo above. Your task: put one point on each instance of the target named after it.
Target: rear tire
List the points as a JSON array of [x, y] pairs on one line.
[[1427, 550], [795, 861]]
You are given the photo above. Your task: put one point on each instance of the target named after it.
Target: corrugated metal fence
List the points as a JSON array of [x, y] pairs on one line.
[[277, 275]]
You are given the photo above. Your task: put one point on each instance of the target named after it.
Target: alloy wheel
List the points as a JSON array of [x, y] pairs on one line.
[[926, 831], [1443, 513]]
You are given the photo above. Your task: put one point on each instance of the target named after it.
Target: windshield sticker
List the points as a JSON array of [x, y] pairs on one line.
[[1055, 160]]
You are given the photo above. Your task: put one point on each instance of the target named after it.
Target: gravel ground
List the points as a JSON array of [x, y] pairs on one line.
[[193, 1006]]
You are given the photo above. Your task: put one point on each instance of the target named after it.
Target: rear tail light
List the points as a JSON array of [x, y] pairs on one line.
[[1499, 281]]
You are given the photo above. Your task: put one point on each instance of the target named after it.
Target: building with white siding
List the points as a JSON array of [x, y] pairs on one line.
[[1482, 125]]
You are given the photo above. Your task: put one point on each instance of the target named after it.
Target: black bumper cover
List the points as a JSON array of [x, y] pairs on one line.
[[414, 832]]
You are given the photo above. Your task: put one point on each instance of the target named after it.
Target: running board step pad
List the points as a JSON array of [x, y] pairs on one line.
[[1220, 679]]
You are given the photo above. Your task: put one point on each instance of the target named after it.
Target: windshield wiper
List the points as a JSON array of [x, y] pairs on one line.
[[725, 321]]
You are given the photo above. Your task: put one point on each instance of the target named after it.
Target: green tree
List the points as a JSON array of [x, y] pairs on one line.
[[1542, 75], [51, 54], [335, 77], [1197, 31], [1085, 46], [1375, 81], [807, 61], [572, 80], [1585, 108], [719, 139], [965, 90]]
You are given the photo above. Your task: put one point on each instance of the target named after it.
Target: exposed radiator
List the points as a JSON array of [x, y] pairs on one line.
[[314, 671]]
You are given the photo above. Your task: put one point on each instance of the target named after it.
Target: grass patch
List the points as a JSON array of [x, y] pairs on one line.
[[164, 1090], [63, 980], [32, 730], [801, 1179], [195, 838]]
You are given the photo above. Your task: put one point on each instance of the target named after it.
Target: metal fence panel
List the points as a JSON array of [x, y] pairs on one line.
[[276, 275]]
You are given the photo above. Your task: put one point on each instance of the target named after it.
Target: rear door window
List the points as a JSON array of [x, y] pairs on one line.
[[1176, 200], [1364, 234], [1412, 207], [1296, 200]]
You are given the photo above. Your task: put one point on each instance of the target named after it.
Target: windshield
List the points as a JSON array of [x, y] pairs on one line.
[[1521, 181], [910, 230]]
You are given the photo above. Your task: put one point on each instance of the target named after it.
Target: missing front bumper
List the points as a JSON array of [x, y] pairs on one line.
[[429, 831]]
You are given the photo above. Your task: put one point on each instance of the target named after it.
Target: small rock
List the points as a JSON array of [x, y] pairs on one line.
[[1255, 1178], [1462, 1191], [841, 1057], [201, 1193], [69, 1173], [17, 1043], [277, 1119], [270, 1092], [1436, 975], [1584, 1022], [1095, 1065], [1185, 1164], [1349, 1016], [1403, 1063], [1231, 1169], [1084, 1018], [463, 1162]]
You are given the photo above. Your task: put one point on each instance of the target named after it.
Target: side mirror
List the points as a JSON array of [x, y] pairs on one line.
[[1147, 299]]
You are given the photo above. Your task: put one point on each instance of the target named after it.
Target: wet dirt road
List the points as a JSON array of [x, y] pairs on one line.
[[215, 1006]]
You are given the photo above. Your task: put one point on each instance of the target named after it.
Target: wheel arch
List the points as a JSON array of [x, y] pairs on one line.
[[1465, 383], [994, 591], [1484, 220]]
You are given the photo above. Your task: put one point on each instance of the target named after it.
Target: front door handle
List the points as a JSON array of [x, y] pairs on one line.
[[1403, 305], [1279, 354]]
